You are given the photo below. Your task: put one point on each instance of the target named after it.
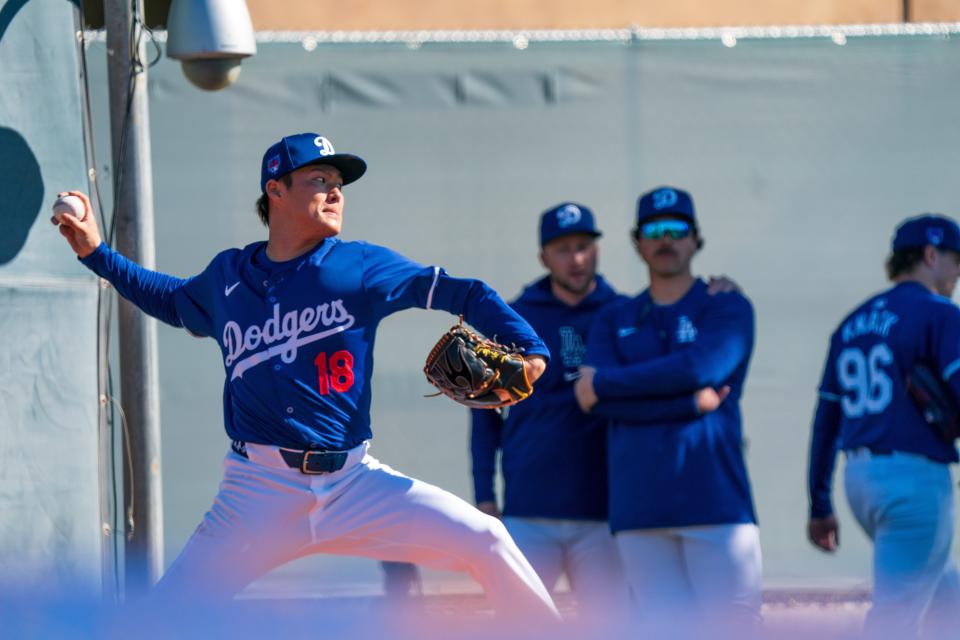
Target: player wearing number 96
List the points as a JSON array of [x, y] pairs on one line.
[[295, 318], [897, 479]]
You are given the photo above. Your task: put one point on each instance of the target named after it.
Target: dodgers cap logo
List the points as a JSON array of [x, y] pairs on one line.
[[302, 149], [664, 198], [934, 236], [568, 216], [326, 149], [666, 201], [566, 219]]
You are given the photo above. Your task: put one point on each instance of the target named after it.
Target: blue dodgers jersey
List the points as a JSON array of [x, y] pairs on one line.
[[863, 396], [681, 471], [553, 456], [297, 338]]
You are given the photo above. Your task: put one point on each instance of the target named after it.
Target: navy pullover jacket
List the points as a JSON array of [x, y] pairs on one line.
[[674, 471], [553, 456]]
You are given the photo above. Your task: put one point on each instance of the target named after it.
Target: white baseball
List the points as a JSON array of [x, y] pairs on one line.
[[69, 205]]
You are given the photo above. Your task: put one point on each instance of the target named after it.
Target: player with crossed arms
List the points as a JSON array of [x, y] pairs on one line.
[[681, 507], [897, 478], [295, 318], [553, 456]]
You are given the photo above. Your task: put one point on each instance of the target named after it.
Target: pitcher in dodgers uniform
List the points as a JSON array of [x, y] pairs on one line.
[[897, 478], [680, 502], [296, 318]]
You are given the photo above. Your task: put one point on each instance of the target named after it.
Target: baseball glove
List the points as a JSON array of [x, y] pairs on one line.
[[477, 372], [935, 401]]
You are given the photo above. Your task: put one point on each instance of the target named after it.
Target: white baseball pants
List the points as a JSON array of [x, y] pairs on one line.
[[584, 550], [267, 514], [704, 573]]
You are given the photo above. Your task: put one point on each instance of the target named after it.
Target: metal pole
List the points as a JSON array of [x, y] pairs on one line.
[[133, 215]]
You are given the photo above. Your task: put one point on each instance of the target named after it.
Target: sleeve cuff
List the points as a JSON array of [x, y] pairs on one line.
[[91, 259], [485, 495], [821, 511], [538, 351]]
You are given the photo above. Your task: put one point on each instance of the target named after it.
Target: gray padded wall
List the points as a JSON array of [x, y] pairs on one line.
[[801, 154], [49, 488]]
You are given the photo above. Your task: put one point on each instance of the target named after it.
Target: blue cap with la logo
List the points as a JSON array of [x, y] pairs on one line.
[[565, 219], [666, 201], [302, 149], [929, 228]]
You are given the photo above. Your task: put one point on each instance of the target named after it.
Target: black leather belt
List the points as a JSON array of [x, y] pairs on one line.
[[314, 462], [308, 462]]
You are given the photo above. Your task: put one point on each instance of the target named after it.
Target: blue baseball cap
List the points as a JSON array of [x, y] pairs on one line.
[[929, 228], [565, 219], [301, 149], [665, 201]]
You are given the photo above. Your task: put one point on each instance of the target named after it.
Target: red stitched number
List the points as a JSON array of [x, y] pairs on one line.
[[339, 376]]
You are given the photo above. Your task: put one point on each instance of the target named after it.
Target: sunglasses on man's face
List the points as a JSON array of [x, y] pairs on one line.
[[659, 229]]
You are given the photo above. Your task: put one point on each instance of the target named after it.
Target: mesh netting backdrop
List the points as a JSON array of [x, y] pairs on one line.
[[801, 154]]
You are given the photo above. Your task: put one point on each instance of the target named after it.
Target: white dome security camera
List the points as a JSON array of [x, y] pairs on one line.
[[211, 74], [210, 38]]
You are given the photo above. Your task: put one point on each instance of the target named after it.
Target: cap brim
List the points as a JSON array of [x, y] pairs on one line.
[[351, 167], [572, 232], [667, 214]]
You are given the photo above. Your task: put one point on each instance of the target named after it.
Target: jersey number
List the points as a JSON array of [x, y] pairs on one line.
[[335, 372], [869, 389]]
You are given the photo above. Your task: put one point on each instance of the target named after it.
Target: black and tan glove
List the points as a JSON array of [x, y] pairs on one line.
[[476, 372]]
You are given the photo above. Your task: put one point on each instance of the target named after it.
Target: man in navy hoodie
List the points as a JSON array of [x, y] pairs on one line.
[[680, 502], [553, 456]]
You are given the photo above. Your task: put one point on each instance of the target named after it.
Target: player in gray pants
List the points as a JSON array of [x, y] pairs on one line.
[[897, 475]]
